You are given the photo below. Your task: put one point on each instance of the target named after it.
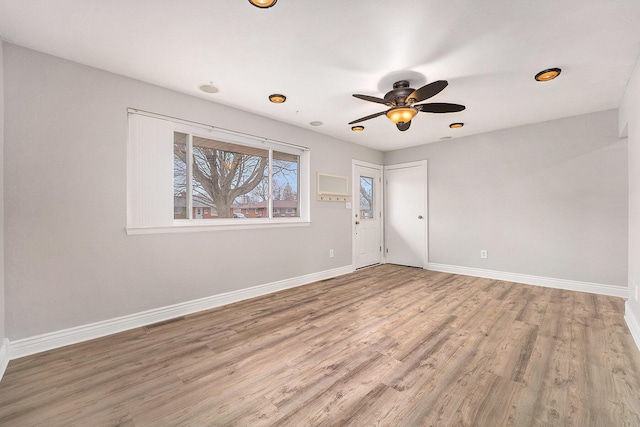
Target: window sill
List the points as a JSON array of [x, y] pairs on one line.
[[198, 226]]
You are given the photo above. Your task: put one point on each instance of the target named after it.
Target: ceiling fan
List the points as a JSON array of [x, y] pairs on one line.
[[403, 102]]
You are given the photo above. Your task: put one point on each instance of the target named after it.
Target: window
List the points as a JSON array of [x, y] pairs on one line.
[[366, 197], [218, 177]]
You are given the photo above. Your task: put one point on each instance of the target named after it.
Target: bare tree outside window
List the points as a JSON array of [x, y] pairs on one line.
[[228, 177]]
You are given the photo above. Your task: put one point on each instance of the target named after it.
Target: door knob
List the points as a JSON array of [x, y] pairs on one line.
[[419, 216]]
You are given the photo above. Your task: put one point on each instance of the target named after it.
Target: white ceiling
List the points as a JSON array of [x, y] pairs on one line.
[[319, 53]]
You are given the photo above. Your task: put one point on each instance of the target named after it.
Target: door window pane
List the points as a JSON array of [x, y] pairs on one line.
[[366, 197]]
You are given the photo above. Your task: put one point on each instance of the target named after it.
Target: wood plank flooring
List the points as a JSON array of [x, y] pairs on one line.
[[384, 346]]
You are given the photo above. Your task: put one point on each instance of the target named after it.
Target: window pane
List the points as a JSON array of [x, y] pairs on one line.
[[179, 175], [285, 183], [229, 178], [366, 197]]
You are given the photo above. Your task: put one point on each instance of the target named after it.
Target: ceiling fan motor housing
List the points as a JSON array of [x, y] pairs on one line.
[[398, 96]]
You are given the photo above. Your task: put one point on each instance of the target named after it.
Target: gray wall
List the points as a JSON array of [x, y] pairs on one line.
[[69, 261], [547, 199], [630, 120]]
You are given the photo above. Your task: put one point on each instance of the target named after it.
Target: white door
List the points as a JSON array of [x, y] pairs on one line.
[[367, 214], [406, 214]]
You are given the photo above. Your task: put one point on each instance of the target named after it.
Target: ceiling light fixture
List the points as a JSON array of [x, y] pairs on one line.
[[357, 128], [276, 98], [316, 123], [546, 75], [209, 88], [456, 125], [401, 114], [263, 4]]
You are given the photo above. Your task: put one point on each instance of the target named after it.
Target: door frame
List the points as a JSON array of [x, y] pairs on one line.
[[423, 164], [355, 206]]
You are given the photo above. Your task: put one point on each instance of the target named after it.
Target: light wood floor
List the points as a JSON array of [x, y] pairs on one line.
[[388, 345]]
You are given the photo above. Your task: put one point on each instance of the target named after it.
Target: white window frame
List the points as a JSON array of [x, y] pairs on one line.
[[148, 207]]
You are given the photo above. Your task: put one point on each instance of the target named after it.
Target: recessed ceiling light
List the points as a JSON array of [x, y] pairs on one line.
[[456, 125], [209, 88], [546, 75], [316, 123], [276, 98], [263, 4], [445, 137], [357, 128]]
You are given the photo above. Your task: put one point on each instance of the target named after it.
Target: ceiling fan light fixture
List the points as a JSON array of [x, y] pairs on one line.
[[401, 114], [277, 98], [549, 74], [456, 125], [263, 4], [357, 128]]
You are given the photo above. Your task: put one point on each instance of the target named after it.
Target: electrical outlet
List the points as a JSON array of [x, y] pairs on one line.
[[483, 253], [330, 253]]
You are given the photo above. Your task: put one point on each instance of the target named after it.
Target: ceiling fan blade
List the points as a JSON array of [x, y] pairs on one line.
[[367, 118], [439, 107], [372, 99], [427, 91], [404, 126]]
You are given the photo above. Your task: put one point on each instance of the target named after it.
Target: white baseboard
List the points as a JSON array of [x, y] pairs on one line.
[[27, 346], [633, 323], [570, 285], [4, 356]]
